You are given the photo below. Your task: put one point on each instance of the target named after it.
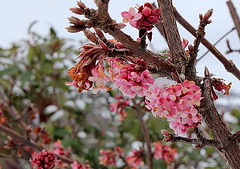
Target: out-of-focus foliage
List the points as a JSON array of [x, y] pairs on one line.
[[35, 71]]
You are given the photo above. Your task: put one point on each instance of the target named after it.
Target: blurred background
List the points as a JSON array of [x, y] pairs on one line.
[[35, 53]]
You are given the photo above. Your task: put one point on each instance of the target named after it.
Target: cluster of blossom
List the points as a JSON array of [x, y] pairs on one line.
[[60, 150], [219, 85], [77, 165], [83, 70], [133, 79], [175, 102], [109, 157], [43, 160], [43, 134], [145, 18], [118, 107], [164, 152], [135, 160]]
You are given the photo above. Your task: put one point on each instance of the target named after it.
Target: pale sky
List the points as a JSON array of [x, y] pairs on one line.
[[16, 15]]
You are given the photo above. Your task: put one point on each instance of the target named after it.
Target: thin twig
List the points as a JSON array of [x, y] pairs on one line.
[[145, 134], [216, 43], [204, 20], [171, 137], [20, 139], [228, 64], [12, 109]]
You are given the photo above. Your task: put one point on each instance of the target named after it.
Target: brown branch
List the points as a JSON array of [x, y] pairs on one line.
[[235, 16], [145, 134], [228, 64], [171, 137], [230, 50], [20, 139], [218, 128], [7, 103], [200, 34], [172, 35], [100, 19], [216, 43], [236, 135]]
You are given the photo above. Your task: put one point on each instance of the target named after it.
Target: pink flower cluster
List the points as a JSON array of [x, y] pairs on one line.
[[77, 165], [109, 157], [60, 150], [132, 79], [145, 18], [118, 107], [165, 152], [176, 103], [43, 160], [99, 77], [136, 159]]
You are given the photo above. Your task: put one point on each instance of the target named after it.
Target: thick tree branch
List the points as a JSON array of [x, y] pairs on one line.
[[218, 128], [172, 35], [145, 134], [228, 64]]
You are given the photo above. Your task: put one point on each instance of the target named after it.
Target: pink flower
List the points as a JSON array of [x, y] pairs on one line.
[[184, 43], [60, 150], [118, 107], [131, 16], [132, 79], [99, 77], [43, 160], [136, 159], [109, 156], [77, 165], [145, 18], [176, 103], [165, 152]]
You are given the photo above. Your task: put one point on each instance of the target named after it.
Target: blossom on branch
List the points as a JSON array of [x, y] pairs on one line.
[[132, 79], [43, 160], [176, 103], [109, 157], [136, 159], [77, 165], [145, 18], [164, 152], [118, 107]]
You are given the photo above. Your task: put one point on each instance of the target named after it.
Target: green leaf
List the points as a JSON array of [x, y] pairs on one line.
[[26, 76], [13, 70]]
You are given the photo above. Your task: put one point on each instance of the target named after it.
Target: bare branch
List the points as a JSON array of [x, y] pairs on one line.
[[145, 134], [235, 16], [18, 138], [172, 35], [216, 43], [171, 137], [200, 34], [228, 64]]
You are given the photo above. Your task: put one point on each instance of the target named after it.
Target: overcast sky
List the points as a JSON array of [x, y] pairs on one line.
[[16, 15]]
